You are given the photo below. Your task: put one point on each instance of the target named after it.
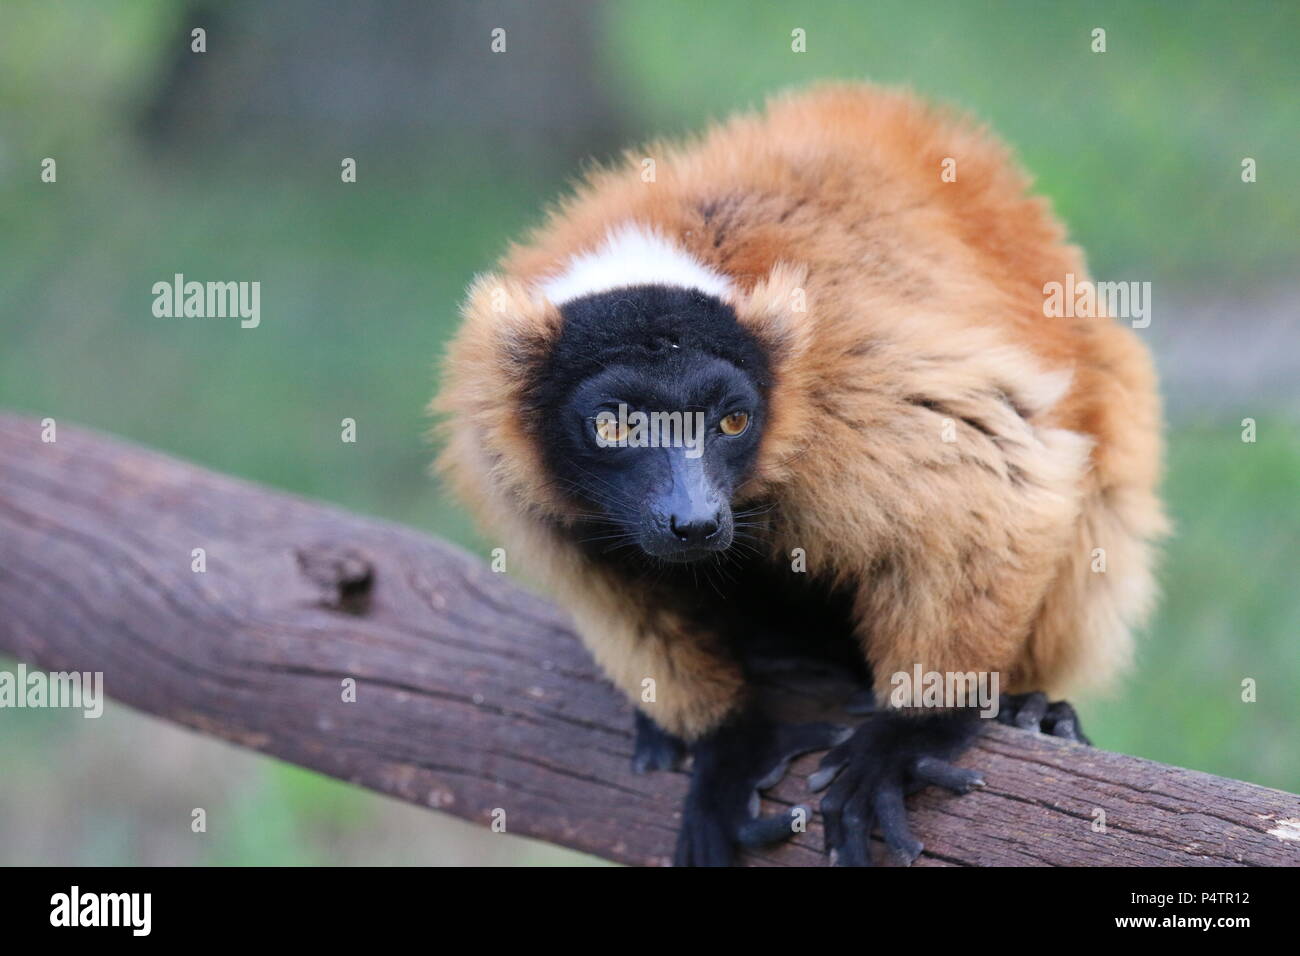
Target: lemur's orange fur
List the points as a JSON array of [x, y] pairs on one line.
[[924, 309]]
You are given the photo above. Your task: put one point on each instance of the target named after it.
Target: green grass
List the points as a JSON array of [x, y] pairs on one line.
[[1228, 614]]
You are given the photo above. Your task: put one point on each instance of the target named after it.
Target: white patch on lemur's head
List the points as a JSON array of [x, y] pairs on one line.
[[631, 255]]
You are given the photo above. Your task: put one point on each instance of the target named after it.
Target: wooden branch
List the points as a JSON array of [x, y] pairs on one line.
[[471, 693]]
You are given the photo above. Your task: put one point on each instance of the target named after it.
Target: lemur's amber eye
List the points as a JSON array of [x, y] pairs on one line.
[[609, 430], [735, 423]]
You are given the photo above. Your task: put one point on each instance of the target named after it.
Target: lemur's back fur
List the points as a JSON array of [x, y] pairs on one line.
[[891, 305]]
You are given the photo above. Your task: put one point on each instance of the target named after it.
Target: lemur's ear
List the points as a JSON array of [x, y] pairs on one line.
[[775, 310], [514, 318], [506, 335]]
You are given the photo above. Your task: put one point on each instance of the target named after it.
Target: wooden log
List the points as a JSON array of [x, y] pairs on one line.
[[473, 695]]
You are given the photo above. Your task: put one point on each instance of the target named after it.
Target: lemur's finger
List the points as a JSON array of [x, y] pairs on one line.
[[853, 844], [835, 761], [943, 774], [892, 817], [1032, 711], [832, 809], [795, 740], [765, 831], [1062, 721]]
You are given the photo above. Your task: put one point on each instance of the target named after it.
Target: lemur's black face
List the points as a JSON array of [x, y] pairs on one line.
[[646, 427], [659, 448]]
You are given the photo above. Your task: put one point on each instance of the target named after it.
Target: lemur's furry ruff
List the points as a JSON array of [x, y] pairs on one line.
[[889, 305]]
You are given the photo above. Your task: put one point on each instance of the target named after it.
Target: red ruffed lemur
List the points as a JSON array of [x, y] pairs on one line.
[[898, 446]]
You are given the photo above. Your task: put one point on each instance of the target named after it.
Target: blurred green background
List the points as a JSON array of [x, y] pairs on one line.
[[225, 165]]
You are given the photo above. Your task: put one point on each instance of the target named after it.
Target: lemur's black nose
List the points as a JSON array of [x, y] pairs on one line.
[[695, 529]]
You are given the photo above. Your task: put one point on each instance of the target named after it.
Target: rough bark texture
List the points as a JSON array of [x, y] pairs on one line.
[[471, 693]]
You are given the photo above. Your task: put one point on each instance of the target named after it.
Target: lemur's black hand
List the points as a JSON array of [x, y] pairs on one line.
[[732, 765], [1035, 712], [889, 756]]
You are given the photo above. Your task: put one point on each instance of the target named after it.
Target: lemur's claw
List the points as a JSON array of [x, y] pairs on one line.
[[850, 814], [1034, 712], [731, 767], [795, 740], [867, 777], [758, 832], [943, 774], [831, 765], [655, 748]]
